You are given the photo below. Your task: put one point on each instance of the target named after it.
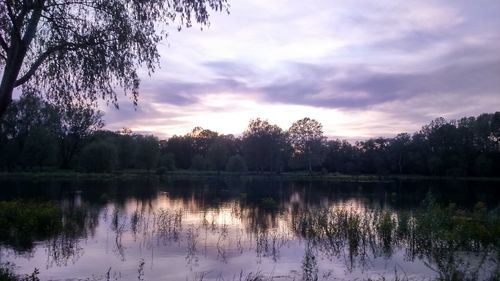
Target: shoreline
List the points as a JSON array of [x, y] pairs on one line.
[[188, 174]]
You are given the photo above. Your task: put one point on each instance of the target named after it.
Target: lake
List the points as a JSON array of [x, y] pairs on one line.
[[253, 229]]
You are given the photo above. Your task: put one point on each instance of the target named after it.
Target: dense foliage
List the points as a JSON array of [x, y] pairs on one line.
[[85, 50], [36, 135]]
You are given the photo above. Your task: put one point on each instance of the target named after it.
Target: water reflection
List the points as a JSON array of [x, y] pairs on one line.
[[220, 230]]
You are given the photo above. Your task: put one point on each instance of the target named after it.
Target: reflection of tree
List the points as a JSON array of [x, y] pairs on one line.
[[191, 243], [309, 264], [168, 225], [119, 226], [63, 249], [261, 220], [78, 222], [269, 243], [61, 228], [223, 233]]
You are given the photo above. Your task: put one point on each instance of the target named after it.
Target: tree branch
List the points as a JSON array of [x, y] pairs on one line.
[[31, 28], [15, 28], [67, 46], [3, 43], [31, 71]]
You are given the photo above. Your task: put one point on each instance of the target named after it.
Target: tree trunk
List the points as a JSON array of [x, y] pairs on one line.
[[15, 57], [12, 68]]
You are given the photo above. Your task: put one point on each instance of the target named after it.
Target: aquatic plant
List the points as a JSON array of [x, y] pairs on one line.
[[7, 274], [24, 221]]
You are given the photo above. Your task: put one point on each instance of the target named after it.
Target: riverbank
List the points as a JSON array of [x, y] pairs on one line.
[[189, 174]]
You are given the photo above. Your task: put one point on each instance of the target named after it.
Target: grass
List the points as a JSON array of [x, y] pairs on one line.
[[137, 173], [74, 175]]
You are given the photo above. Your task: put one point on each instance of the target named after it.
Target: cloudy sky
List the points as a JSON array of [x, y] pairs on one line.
[[361, 68]]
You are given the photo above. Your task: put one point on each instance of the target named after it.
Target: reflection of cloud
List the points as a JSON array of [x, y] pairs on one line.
[[362, 69]]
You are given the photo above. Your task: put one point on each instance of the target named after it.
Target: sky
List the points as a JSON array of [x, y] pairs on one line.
[[361, 68]]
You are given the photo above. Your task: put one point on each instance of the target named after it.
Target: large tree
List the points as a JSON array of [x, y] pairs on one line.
[[264, 146], [85, 49], [306, 137], [76, 123], [30, 120]]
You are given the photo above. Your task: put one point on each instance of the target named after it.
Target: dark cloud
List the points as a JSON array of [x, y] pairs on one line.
[[480, 78], [128, 110], [230, 69], [413, 41], [184, 93]]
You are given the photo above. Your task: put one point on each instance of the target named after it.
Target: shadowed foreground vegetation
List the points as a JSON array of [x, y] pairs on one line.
[[7, 274], [39, 136]]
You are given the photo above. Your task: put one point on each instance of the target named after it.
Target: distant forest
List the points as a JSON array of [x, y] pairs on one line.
[[39, 136]]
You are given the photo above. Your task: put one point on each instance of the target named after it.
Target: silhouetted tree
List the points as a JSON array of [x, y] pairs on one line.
[[39, 149], [148, 152], [31, 128], [374, 154], [306, 137], [77, 123], [98, 157], [264, 146], [29, 123], [198, 163], [86, 49], [341, 157], [217, 155], [236, 163], [201, 139], [127, 149], [182, 149], [167, 162]]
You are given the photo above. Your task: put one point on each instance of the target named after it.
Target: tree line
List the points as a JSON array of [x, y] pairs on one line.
[[38, 136]]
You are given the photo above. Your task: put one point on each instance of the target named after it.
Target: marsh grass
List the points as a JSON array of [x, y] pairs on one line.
[[457, 244], [24, 221], [7, 274]]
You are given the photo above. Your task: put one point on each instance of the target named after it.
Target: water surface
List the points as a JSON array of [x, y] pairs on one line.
[[227, 229]]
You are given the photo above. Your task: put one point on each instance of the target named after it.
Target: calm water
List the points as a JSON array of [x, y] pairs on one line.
[[223, 229]]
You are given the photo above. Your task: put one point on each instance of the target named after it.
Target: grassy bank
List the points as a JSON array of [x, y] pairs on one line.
[[190, 174]]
